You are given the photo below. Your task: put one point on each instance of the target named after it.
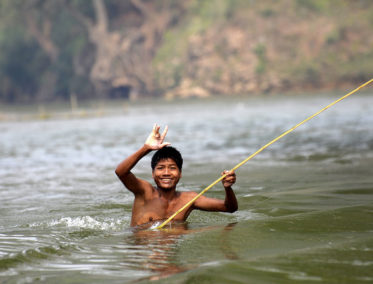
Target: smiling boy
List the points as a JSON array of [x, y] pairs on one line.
[[155, 203]]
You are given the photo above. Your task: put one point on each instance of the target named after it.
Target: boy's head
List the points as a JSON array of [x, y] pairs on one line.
[[167, 152]]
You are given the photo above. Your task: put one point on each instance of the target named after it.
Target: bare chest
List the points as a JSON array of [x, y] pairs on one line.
[[157, 208]]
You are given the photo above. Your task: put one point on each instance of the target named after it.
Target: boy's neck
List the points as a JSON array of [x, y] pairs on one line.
[[167, 194]]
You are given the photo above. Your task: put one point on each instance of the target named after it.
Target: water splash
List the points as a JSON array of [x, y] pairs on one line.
[[155, 225], [86, 222]]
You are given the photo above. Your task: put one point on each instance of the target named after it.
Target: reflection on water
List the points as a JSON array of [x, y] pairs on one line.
[[157, 250], [305, 203], [160, 249]]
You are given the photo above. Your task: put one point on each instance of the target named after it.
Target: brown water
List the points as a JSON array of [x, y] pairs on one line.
[[305, 203]]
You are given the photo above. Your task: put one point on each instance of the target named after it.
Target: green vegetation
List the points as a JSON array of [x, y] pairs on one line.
[[260, 52], [171, 56], [51, 50]]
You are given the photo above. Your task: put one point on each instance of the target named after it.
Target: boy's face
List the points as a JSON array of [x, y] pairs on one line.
[[166, 174]]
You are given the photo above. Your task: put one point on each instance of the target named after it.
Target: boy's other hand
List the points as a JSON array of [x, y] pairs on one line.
[[230, 178]]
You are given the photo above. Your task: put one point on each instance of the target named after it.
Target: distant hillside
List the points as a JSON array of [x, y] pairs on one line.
[[239, 47], [105, 49]]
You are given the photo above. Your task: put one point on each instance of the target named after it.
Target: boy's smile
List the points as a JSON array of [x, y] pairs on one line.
[[166, 174]]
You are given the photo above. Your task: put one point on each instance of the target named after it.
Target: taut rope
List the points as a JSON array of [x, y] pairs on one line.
[[261, 149]]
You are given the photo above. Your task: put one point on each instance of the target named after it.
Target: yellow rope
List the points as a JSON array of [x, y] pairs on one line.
[[260, 150]]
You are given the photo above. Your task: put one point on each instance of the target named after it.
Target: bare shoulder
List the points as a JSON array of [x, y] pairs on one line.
[[144, 189], [187, 195]]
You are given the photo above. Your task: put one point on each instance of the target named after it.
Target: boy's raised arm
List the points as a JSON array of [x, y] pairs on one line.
[[123, 170]]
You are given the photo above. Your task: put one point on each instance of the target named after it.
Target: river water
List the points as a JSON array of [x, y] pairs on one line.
[[305, 203]]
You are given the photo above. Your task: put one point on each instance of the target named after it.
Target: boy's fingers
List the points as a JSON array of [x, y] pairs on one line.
[[164, 132], [230, 176]]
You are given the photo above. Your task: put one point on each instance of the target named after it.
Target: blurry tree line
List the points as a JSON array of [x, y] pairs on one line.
[[93, 49], [52, 50]]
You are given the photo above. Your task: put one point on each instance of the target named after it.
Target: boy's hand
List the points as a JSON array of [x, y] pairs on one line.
[[155, 140], [230, 179]]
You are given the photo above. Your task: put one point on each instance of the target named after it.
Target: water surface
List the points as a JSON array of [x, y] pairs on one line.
[[305, 203]]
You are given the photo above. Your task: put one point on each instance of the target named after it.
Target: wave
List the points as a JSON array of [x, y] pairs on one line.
[[34, 254], [86, 222]]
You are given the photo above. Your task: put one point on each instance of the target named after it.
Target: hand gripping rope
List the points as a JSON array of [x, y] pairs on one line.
[[260, 150]]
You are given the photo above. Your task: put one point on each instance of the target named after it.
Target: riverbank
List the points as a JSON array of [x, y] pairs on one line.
[[103, 108]]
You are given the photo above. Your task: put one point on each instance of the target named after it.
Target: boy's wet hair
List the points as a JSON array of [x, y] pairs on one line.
[[167, 152]]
